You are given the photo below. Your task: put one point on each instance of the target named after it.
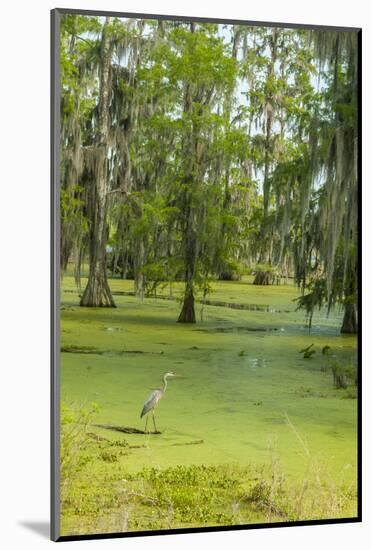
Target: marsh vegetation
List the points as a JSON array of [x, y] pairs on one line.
[[251, 430], [208, 227]]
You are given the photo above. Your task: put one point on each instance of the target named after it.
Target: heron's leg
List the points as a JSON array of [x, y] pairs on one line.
[[154, 423], [145, 428]]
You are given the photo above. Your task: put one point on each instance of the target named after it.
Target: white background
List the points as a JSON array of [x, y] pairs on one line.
[[24, 272]]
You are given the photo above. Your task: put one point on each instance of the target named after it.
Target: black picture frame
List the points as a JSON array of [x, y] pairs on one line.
[[55, 275]]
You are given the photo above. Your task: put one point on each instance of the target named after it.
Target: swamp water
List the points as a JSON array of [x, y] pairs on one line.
[[244, 395]]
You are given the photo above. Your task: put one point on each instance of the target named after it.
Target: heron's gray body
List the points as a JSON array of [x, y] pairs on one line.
[[153, 399], [151, 402]]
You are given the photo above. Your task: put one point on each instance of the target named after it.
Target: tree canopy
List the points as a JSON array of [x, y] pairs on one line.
[[192, 151]]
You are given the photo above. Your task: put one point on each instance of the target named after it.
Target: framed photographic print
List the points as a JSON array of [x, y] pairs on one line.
[[205, 274]]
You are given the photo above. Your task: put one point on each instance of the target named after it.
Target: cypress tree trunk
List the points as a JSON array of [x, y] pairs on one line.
[[139, 282], [188, 315], [190, 155], [350, 325], [97, 292], [269, 124], [262, 278]]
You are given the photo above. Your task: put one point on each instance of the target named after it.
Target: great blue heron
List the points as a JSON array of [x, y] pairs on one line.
[[154, 398]]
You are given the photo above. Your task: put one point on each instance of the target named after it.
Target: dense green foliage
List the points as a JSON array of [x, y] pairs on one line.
[[197, 151]]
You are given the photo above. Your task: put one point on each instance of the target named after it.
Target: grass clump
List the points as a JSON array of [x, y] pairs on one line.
[[314, 497], [74, 442], [195, 494], [343, 375], [105, 497]]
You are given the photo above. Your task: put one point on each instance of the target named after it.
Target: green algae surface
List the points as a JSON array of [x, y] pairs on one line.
[[243, 389]]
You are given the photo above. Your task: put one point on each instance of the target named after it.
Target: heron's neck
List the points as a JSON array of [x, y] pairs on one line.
[[164, 382]]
